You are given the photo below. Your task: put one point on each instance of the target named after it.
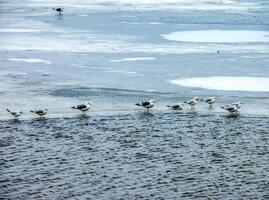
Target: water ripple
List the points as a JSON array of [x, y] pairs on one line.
[[162, 156]]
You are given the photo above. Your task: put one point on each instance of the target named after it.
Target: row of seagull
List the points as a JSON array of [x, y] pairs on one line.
[[42, 112], [233, 108]]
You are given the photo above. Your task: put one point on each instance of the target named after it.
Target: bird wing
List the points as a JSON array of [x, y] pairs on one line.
[[146, 103], [175, 106], [208, 99], [40, 111], [230, 108], [82, 106]]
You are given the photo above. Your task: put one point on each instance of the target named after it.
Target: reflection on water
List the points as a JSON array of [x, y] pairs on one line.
[[167, 156]]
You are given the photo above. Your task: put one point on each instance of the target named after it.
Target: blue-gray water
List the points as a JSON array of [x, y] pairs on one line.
[[115, 54], [161, 156]]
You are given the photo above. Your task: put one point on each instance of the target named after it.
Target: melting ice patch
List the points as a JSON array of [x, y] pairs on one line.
[[133, 59], [230, 83], [122, 71], [13, 30], [219, 36], [29, 60]]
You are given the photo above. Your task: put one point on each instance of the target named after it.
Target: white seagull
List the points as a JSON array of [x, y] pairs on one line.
[[146, 104], [82, 107], [15, 114], [176, 106], [233, 109], [59, 10], [192, 102], [210, 101], [41, 112], [237, 104]]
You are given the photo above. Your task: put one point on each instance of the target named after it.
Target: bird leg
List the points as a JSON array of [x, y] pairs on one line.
[[147, 111]]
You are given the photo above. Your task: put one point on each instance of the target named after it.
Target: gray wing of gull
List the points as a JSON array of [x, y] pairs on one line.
[[82, 106], [145, 103]]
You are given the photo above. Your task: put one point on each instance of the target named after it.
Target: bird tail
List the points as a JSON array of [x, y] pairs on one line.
[[8, 110], [32, 111], [222, 107], [168, 106], [74, 107], [138, 104]]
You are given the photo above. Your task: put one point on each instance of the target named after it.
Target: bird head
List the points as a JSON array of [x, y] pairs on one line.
[[195, 98], [151, 101]]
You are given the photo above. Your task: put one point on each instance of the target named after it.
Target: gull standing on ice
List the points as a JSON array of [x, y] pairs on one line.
[[40, 113], [192, 102], [82, 107], [210, 101], [146, 104], [176, 106], [15, 114], [232, 108], [59, 10], [237, 104]]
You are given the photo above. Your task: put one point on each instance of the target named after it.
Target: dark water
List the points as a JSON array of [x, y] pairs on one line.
[[135, 156]]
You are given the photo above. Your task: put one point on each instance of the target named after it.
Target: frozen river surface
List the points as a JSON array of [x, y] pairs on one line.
[[114, 54]]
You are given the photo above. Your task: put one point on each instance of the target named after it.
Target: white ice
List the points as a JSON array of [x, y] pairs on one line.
[[133, 59], [230, 83], [219, 36], [29, 60]]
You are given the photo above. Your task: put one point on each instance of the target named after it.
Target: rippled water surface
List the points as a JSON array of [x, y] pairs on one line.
[[135, 156]]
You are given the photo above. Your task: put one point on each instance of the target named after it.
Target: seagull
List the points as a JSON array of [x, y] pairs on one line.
[[40, 113], [210, 101], [146, 104], [237, 104], [176, 106], [82, 107], [59, 10], [192, 102], [231, 108], [16, 114]]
